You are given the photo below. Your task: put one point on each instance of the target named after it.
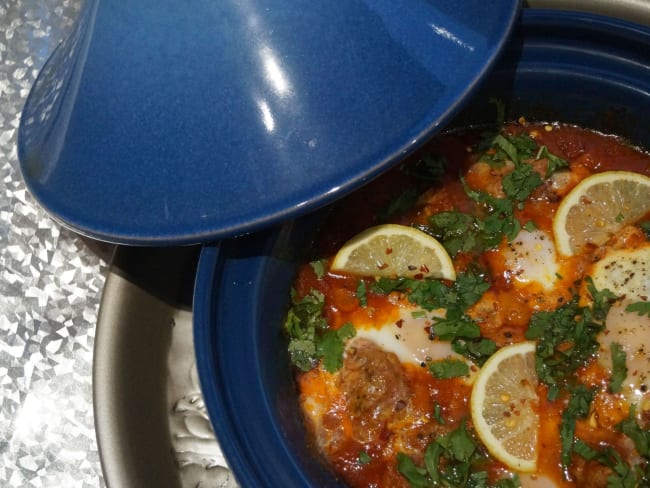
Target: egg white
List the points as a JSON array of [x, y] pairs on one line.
[[626, 273], [407, 337], [532, 258]]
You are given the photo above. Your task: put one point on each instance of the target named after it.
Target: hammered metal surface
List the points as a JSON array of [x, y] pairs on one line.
[[50, 287]]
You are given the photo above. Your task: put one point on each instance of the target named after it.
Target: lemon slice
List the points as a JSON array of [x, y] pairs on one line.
[[393, 250], [503, 405], [598, 207]]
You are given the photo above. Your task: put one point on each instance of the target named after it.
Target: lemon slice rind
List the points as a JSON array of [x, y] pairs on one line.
[[578, 221], [392, 250], [503, 403]]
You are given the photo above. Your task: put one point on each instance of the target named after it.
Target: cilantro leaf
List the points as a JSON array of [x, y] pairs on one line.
[[364, 458], [554, 162], [603, 299], [302, 322], [478, 350], [318, 267], [416, 476], [577, 408], [448, 368], [451, 460], [619, 367], [566, 341], [430, 294], [519, 184], [310, 339], [639, 436], [362, 295], [641, 308], [437, 414], [449, 329], [331, 344]]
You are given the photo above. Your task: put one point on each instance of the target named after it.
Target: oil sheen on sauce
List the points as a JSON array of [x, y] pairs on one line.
[[384, 401]]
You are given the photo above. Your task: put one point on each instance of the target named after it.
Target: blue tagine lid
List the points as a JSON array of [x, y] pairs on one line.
[[166, 122]]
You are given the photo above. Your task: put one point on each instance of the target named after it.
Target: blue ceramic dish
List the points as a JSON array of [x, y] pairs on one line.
[[576, 68], [163, 122]]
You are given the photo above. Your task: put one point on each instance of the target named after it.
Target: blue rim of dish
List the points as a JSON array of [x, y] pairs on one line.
[[233, 296], [105, 192]]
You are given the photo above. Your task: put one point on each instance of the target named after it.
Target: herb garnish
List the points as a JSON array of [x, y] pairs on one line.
[[309, 337], [577, 408], [437, 414], [457, 327], [364, 458], [619, 367], [623, 475], [451, 460], [641, 308], [448, 368], [566, 341], [494, 217], [362, 295], [319, 268]]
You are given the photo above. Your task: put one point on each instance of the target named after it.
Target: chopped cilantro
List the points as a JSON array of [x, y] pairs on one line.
[[362, 295], [449, 329], [431, 294], [485, 227], [448, 368], [364, 458], [461, 232], [478, 350], [319, 268], [640, 437], [530, 226], [418, 314], [500, 148], [331, 344], [554, 162], [642, 308], [619, 367], [566, 341], [451, 460], [603, 300], [437, 414], [456, 326], [577, 408], [519, 184], [622, 475], [309, 337]]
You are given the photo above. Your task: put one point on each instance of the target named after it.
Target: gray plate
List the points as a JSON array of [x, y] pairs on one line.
[[152, 428]]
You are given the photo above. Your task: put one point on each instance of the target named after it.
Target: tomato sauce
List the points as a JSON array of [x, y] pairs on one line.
[[348, 418]]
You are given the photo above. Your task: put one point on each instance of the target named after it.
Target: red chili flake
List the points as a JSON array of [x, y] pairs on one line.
[[399, 323], [419, 276], [389, 250], [424, 268], [382, 266]]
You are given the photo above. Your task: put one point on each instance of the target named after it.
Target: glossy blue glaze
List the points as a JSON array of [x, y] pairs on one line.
[[559, 66], [166, 122]]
